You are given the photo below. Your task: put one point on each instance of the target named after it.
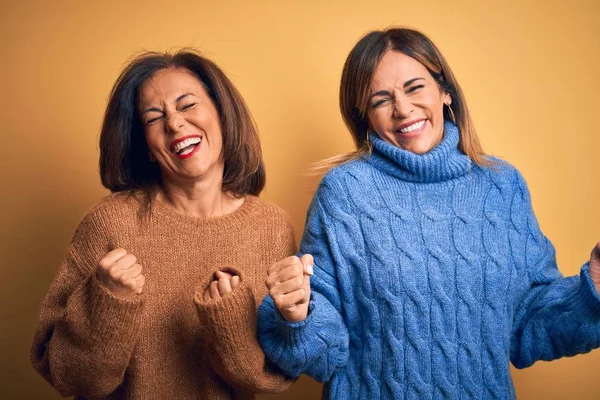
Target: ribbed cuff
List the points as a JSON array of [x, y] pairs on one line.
[[294, 331], [230, 316], [590, 298], [110, 323]]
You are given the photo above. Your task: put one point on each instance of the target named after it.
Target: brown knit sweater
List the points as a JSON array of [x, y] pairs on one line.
[[168, 343]]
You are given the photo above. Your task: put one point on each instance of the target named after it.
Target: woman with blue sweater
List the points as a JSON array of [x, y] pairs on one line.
[[430, 272]]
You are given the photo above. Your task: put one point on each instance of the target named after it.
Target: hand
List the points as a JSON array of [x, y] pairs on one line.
[[595, 266], [288, 282], [120, 273], [223, 284]]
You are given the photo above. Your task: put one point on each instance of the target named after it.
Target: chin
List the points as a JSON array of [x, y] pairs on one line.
[[419, 148]]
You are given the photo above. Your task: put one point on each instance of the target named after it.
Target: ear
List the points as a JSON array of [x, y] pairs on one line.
[[447, 99]]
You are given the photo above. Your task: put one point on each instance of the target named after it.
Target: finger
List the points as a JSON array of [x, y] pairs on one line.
[[120, 267], [235, 281], [214, 290], [306, 288], [224, 286], [289, 272], [222, 274], [288, 286], [125, 262], [289, 300], [139, 282], [308, 262], [132, 272], [111, 257], [278, 266], [596, 252]]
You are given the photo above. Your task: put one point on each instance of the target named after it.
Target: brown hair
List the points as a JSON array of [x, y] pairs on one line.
[[124, 162], [356, 80]]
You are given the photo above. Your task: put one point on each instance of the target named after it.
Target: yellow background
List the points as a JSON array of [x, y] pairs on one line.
[[529, 69]]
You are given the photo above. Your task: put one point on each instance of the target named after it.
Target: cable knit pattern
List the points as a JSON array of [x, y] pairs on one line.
[[431, 274], [168, 343]]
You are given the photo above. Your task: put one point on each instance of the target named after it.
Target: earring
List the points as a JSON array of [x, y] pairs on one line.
[[452, 118], [151, 157]]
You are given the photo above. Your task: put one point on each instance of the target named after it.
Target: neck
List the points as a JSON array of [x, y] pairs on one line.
[[443, 162], [199, 199]]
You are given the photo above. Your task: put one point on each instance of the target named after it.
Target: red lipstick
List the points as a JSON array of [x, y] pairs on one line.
[[174, 144]]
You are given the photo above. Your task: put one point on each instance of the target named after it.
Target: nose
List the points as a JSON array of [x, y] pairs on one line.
[[402, 106], [174, 122]]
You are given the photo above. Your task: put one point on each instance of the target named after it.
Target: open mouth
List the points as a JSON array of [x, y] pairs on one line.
[[186, 146], [413, 128]]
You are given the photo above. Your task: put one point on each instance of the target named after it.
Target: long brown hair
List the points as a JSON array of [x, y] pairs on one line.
[[124, 162], [356, 80]]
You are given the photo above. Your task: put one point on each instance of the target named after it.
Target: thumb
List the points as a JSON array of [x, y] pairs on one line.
[[595, 266], [595, 256], [308, 262]]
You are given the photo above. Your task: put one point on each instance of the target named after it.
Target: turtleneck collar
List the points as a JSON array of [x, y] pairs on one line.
[[443, 162]]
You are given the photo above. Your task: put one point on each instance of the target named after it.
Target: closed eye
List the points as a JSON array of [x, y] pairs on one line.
[[380, 102], [187, 106], [152, 120], [415, 88]]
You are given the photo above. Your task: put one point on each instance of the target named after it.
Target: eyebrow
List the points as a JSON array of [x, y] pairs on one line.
[[177, 100], [387, 93]]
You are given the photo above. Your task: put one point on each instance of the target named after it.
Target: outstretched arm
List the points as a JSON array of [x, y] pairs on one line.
[[558, 316]]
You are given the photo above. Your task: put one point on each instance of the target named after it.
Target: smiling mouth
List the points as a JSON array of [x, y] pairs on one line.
[[414, 127], [186, 146]]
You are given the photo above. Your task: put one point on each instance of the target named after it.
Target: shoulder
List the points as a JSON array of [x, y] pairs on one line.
[[347, 177], [118, 205], [267, 211], [341, 188], [502, 173], [117, 209]]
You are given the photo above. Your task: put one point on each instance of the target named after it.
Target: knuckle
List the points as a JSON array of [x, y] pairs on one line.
[[128, 283], [114, 273], [104, 264], [298, 269], [279, 303], [274, 292]]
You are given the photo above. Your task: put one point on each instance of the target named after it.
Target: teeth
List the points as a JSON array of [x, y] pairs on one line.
[[187, 150], [187, 142], [413, 127]]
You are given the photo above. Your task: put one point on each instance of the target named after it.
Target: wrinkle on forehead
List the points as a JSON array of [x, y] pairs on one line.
[[155, 91], [395, 69]]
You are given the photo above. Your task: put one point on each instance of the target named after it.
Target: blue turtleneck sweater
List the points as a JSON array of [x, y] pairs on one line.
[[431, 273]]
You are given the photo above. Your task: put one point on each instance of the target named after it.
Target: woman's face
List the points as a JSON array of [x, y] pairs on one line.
[[405, 107], [181, 127]]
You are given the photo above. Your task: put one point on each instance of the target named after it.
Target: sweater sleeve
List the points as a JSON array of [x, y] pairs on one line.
[[317, 346], [235, 353], [231, 326], [85, 335], [558, 316]]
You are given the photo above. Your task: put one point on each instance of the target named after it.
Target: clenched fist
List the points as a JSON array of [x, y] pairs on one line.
[[120, 273], [288, 282], [221, 286]]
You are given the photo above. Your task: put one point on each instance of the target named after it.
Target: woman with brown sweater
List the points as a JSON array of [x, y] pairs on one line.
[[158, 292]]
